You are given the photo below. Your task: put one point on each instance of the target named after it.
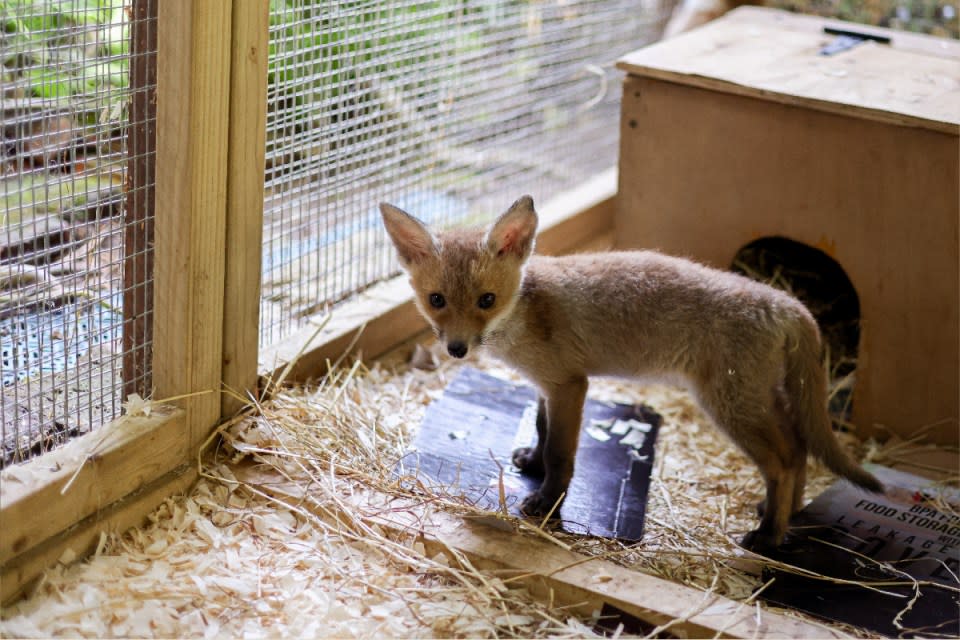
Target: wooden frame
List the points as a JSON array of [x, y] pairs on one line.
[[56, 506], [211, 76], [244, 223], [192, 125]]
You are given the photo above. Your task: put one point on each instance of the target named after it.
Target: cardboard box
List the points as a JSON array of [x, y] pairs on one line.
[[744, 130]]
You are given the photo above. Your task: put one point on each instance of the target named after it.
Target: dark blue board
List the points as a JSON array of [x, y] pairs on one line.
[[474, 426]]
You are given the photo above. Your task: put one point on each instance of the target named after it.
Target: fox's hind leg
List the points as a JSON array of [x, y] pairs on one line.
[[797, 466], [799, 484], [777, 508], [754, 420], [530, 459]]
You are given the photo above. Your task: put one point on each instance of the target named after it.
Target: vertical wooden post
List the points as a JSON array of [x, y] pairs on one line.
[[245, 171], [138, 224], [193, 90]]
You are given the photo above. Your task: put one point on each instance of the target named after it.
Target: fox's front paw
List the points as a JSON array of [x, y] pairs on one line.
[[528, 460], [759, 541], [537, 504]]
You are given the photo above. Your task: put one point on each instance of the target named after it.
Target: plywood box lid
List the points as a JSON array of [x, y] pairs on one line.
[[775, 55]]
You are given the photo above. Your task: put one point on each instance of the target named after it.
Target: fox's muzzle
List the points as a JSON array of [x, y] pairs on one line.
[[457, 349]]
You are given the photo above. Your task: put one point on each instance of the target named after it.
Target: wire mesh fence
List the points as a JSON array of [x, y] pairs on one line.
[[76, 212], [448, 109]]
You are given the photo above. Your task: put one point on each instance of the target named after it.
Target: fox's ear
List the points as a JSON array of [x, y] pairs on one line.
[[413, 240], [515, 231]]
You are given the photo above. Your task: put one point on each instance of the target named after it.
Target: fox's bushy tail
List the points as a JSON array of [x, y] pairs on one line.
[[806, 386]]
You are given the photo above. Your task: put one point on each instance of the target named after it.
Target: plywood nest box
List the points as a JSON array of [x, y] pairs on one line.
[[765, 124]]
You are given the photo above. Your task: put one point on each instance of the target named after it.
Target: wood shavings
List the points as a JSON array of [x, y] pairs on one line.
[[137, 406], [68, 556], [233, 560]]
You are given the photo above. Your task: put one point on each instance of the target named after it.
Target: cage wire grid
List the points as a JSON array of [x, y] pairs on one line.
[[448, 109], [76, 186]]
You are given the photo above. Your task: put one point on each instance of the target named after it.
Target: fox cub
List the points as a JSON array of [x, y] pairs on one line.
[[749, 353]]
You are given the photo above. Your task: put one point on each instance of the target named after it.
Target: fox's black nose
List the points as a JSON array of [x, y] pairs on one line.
[[457, 349]]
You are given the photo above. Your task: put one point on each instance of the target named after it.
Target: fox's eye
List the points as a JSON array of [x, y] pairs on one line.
[[437, 301], [486, 301]]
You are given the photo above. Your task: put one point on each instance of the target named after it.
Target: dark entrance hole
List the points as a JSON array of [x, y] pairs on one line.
[[822, 285]]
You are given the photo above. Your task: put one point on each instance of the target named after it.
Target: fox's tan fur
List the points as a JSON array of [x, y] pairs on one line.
[[749, 353]]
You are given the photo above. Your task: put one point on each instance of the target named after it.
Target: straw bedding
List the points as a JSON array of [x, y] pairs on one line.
[[235, 559]]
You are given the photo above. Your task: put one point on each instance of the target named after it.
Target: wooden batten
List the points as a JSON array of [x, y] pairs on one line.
[[139, 202], [44, 498], [384, 316], [83, 538], [193, 82], [579, 218], [48, 494], [244, 223]]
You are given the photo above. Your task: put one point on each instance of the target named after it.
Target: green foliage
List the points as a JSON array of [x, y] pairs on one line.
[[320, 50], [936, 17], [63, 49]]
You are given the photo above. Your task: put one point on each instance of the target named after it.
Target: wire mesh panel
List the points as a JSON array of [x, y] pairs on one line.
[[76, 212], [448, 109]]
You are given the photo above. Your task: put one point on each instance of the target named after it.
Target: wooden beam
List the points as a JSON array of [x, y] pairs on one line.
[[46, 495], [140, 199], [379, 318], [384, 316], [245, 176], [18, 575], [568, 579], [193, 89]]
